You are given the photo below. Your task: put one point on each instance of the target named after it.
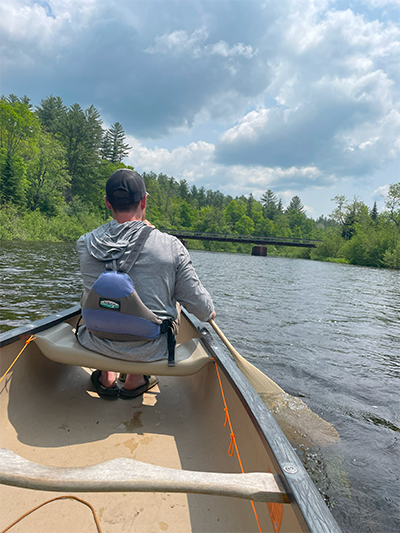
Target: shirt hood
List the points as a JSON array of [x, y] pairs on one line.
[[112, 243]]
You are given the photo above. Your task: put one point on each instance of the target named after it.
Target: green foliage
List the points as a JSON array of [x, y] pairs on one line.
[[391, 257], [51, 114], [368, 247], [392, 204], [188, 215], [331, 243], [17, 126], [244, 226], [234, 212], [46, 175], [55, 162], [10, 223]]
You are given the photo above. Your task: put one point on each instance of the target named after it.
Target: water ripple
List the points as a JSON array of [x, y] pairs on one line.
[[329, 333]]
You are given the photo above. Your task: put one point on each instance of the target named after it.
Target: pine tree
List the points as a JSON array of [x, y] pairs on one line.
[[113, 147], [11, 183], [269, 203], [183, 189], [374, 213], [51, 114], [81, 137], [27, 101], [295, 205]]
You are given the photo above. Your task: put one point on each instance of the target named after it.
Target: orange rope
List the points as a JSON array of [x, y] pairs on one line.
[[52, 500], [31, 338], [233, 443]]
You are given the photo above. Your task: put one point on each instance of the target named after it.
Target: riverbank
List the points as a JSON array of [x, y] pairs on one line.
[[378, 248], [34, 226]]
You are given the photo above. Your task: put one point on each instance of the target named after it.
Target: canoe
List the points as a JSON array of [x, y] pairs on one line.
[[199, 452]]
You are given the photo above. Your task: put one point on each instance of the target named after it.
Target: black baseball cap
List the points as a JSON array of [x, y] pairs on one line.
[[126, 185]]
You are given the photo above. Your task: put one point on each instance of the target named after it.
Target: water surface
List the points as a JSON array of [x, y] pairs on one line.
[[328, 333]]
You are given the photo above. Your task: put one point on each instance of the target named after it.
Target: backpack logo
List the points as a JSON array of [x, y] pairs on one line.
[[109, 304]]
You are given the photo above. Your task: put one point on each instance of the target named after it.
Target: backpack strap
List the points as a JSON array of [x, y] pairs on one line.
[[167, 327], [78, 325]]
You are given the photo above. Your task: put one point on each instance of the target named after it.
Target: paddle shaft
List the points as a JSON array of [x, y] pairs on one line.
[[260, 381], [224, 339]]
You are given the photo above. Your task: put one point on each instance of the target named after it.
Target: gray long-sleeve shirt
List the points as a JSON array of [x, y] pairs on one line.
[[162, 275]]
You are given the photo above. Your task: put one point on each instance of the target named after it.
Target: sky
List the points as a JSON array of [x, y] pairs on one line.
[[298, 96]]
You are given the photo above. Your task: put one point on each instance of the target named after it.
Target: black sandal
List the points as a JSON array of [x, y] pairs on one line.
[[151, 381], [108, 393]]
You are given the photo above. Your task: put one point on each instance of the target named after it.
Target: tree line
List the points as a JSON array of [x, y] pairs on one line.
[[55, 160]]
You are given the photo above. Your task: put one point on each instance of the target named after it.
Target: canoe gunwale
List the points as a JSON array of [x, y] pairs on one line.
[[310, 508], [311, 511], [25, 331]]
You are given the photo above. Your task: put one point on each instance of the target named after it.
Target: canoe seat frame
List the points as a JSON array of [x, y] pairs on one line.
[[60, 345]]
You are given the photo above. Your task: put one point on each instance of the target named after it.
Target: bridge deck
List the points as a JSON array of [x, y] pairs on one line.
[[248, 239]]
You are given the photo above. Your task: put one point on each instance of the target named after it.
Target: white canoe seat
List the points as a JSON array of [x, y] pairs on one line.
[[60, 344], [129, 475]]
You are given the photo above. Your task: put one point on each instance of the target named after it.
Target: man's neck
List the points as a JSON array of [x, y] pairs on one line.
[[121, 218]]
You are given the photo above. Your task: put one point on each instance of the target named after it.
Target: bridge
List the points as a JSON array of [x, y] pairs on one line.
[[248, 239]]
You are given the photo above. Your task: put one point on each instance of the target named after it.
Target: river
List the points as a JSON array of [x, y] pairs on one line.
[[327, 333]]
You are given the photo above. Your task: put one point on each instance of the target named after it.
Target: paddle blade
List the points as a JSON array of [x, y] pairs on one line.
[[295, 418], [297, 421], [300, 425]]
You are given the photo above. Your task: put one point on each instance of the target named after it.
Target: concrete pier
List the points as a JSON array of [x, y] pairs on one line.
[[259, 250]]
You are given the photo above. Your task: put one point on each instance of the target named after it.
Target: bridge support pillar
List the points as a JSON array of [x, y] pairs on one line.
[[259, 250]]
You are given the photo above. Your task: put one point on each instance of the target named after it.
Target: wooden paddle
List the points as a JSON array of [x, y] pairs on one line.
[[297, 421]]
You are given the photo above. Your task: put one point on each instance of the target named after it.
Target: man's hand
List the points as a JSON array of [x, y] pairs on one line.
[[148, 223]]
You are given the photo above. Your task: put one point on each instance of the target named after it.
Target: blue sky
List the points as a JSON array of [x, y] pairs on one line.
[[298, 96]]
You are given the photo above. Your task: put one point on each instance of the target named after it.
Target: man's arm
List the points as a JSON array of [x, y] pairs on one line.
[[189, 291]]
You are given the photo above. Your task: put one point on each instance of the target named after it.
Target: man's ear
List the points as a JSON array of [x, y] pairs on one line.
[[143, 202], [108, 205]]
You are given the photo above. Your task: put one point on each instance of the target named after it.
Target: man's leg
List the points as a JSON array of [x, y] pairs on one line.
[[133, 381], [108, 379], [105, 385]]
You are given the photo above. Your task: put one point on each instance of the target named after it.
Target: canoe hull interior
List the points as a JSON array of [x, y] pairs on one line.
[[51, 415]]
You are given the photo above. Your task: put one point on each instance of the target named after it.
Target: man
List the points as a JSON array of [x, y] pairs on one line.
[[162, 275]]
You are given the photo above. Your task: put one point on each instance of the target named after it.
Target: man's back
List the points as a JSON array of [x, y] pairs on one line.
[[162, 275]]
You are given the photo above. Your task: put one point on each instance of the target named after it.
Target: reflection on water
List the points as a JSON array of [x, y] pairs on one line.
[[327, 333]]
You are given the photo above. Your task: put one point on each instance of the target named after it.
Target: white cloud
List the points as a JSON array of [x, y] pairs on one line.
[[195, 163], [181, 42], [43, 22], [381, 191], [177, 42], [336, 82], [192, 162], [249, 127], [223, 49]]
